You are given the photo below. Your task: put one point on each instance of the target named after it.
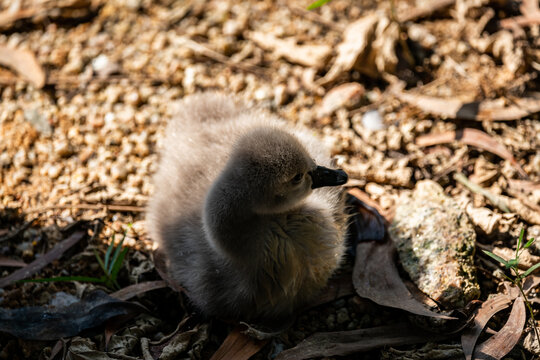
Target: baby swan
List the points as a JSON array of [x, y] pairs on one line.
[[245, 211]]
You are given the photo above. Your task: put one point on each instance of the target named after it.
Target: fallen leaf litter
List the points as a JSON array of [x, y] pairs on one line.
[[87, 86]]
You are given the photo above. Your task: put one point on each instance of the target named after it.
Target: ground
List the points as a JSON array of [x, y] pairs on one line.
[[401, 91]]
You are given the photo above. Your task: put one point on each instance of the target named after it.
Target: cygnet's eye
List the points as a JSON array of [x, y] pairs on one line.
[[297, 178]]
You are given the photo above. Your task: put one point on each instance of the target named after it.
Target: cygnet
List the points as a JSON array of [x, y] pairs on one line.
[[246, 210]]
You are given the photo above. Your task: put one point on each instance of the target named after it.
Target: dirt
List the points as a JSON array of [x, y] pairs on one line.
[[87, 87]]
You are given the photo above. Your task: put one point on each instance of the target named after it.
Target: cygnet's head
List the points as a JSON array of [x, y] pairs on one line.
[[279, 170]]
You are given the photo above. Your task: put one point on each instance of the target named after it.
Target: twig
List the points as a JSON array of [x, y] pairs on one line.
[[106, 207], [214, 55], [17, 231], [505, 203], [477, 189], [424, 11], [316, 18]]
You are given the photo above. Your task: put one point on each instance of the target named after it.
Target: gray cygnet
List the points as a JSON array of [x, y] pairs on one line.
[[246, 210]]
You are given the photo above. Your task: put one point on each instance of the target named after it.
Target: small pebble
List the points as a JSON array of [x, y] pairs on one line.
[[343, 316], [103, 66], [373, 121]]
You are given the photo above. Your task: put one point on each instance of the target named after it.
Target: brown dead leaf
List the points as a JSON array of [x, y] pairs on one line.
[[500, 344], [493, 110], [472, 137], [356, 40], [348, 342], [136, 289], [23, 62], [55, 322], [489, 221], [345, 95], [337, 287], [8, 262], [42, 261], [311, 55], [238, 346], [375, 276], [365, 198], [485, 312]]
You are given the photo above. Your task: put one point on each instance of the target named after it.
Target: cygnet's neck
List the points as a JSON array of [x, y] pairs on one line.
[[228, 215]]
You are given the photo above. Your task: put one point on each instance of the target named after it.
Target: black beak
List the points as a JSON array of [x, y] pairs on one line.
[[322, 176]]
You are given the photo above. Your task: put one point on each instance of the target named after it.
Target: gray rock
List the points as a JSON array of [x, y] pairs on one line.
[[435, 242]]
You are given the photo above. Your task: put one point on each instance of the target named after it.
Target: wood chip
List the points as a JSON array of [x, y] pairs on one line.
[[23, 62]]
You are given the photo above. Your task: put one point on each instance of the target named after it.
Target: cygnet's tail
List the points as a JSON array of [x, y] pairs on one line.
[[209, 107]]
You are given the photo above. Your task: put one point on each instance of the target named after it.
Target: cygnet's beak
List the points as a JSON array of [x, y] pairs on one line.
[[323, 176]]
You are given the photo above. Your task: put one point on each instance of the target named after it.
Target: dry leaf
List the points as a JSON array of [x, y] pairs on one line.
[[345, 95], [136, 289], [337, 288], [494, 110], [500, 344], [485, 312], [348, 342], [52, 323], [356, 39], [489, 221], [8, 262], [311, 55], [42, 261], [238, 346], [23, 62], [375, 276], [472, 137]]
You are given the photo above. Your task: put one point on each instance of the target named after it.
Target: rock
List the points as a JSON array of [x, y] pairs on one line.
[[342, 316], [103, 66], [118, 171], [372, 120], [63, 148], [280, 94], [435, 242]]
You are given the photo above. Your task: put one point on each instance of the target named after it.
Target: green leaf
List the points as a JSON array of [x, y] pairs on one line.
[[65, 278], [101, 264], [115, 256], [109, 251], [520, 239], [529, 243], [496, 257], [530, 270], [511, 263], [118, 264], [317, 4]]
